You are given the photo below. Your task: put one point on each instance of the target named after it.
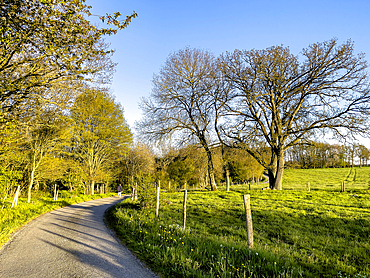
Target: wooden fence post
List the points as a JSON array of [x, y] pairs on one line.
[[55, 192], [248, 218], [158, 190], [184, 208], [342, 186], [308, 187], [135, 196]]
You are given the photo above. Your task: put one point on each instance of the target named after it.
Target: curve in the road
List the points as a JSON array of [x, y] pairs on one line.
[[70, 242]]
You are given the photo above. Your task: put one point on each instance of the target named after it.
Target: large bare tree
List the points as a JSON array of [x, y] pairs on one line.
[[279, 100], [181, 104]]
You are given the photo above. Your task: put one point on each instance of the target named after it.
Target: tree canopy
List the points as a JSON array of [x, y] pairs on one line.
[[181, 103], [99, 131], [46, 41], [280, 100]]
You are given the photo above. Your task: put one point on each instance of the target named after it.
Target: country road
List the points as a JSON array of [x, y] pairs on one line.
[[70, 242]]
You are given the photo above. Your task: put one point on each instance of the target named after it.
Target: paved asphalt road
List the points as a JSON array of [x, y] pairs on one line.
[[70, 242]]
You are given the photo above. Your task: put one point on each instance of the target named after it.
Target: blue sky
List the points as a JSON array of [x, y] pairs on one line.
[[164, 27]]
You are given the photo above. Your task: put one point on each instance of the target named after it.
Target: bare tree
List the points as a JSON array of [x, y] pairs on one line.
[[281, 100], [181, 103], [363, 153]]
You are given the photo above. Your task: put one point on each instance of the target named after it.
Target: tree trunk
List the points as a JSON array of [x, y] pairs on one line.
[[227, 179], [92, 187], [16, 196], [30, 185], [211, 172], [279, 173], [272, 170], [212, 178], [276, 170]]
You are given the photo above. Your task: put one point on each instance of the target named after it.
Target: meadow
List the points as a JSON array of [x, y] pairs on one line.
[[11, 219], [321, 233]]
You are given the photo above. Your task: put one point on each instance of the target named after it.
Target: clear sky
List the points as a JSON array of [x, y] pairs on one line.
[[164, 27]]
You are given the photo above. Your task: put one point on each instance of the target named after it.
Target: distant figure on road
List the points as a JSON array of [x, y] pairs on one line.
[[119, 190]]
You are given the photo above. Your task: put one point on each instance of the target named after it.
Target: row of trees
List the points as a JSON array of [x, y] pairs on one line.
[[175, 167], [261, 101], [58, 121], [322, 155], [75, 148]]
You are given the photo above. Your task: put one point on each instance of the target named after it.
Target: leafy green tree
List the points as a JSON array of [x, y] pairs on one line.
[[242, 166], [284, 100], [48, 41], [99, 130], [182, 170], [43, 137]]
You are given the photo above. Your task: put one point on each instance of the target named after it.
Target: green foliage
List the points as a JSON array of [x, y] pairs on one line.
[[43, 42], [182, 170], [100, 133], [8, 178], [297, 233]]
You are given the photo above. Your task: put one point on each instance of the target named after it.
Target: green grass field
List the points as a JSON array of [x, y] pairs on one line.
[[327, 179], [321, 233]]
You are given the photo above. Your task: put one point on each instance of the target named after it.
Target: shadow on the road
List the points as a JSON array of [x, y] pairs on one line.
[[81, 244], [82, 235], [94, 265]]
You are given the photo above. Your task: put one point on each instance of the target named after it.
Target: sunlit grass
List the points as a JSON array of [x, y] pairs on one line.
[[355, 178], [322, 233]]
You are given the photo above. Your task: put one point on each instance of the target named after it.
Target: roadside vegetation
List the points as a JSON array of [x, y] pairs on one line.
[[13, 219], [321, 233]]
